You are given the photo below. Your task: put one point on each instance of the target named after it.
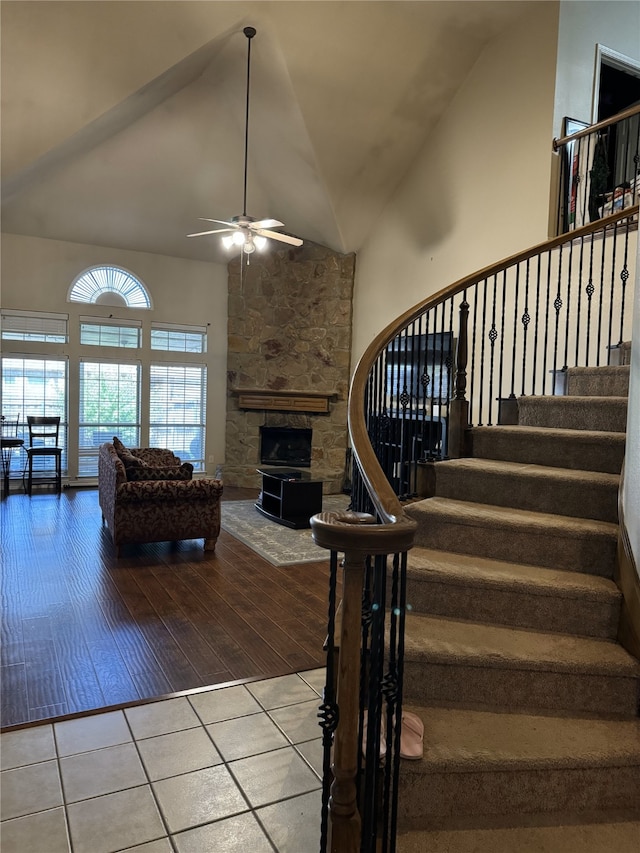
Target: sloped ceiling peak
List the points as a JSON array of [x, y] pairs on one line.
[[343, 96]]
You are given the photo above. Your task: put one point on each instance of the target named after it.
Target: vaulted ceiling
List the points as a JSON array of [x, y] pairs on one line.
[[123, 122]]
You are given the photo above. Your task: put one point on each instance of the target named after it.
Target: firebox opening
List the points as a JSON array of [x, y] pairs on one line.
[[285, 446]]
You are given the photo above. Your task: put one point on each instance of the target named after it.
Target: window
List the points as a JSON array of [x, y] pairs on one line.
[[178, 338], [34, 326], [177, 410], [35, 386], [107, 285], [109, 405], [109, 333]]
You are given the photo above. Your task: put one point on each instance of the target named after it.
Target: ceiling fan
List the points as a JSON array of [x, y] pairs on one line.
[[244, 231]]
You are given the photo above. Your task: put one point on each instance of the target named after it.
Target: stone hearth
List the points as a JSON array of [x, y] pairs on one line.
[[289, 332]]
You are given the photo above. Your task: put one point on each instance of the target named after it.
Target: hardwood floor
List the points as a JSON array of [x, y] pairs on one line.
[[82, 630]]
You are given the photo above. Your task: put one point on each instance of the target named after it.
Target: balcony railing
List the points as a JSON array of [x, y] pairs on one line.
[[599, 170]]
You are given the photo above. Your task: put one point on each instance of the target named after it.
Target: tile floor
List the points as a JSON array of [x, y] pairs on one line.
[[217, 771]]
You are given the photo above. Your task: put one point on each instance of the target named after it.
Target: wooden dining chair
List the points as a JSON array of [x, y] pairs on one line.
[[8, 443], [43, 442]]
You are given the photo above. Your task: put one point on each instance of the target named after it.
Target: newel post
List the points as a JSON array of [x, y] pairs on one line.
[[459, 406], [345, 821]]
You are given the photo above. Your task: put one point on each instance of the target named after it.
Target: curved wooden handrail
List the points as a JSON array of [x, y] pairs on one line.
[[630, 111], [382, 495]]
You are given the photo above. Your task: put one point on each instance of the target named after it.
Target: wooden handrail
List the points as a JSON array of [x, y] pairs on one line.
[[630, 111], [382, 495]]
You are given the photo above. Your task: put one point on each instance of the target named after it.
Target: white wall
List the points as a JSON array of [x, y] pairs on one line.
[[37, 274], [460, 206], [584, 25]]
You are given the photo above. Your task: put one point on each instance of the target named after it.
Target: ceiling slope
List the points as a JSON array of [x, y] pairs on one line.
[[343, 96]]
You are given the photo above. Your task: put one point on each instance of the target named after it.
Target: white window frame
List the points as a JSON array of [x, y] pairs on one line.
[[30, 326], [96, 283], [110, 322], [129, 431], [166, 432]]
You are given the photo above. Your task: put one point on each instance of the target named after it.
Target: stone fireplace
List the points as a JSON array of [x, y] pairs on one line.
[[288, 362]]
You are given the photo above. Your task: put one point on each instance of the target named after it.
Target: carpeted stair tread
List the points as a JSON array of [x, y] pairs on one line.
[[573, 412], [473, 513], [542, 539], [459, 740], [484, 764], [593, 450], [571, 833], [468, 587], [442, 640], [522, 485], [466, 570]]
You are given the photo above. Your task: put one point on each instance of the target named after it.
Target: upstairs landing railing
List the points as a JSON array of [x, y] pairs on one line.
[[599, 170], [459, 358]]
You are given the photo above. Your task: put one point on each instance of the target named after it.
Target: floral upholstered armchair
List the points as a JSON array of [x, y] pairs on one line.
[[148, 495]]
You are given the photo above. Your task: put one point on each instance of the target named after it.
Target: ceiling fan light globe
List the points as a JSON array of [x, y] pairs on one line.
[[238, 238], [227, 241], [260, 242], [248, 247]]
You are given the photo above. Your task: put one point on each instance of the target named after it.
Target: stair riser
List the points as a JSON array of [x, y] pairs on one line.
[[516, 608], [523, 491], [482, 684], [596, 385], [423, 797], [552, 450], [568, 413], [519, 544]]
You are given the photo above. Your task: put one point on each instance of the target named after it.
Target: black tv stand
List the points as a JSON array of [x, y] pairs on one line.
[[289, 497]]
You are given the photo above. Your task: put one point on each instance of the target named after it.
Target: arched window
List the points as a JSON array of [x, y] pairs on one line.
[[107, 285]]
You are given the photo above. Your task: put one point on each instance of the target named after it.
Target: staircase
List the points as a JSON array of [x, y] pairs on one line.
[[530, 705]]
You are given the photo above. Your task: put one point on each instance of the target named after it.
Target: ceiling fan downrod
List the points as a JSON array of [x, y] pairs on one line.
[[249, 33]]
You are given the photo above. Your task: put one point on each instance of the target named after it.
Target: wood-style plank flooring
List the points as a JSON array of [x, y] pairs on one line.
[[83, 630]]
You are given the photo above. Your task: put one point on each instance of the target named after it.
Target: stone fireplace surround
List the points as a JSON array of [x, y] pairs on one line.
[[288, 357]]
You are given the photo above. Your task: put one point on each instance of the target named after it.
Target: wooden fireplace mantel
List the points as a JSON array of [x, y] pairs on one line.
[[283, 401]]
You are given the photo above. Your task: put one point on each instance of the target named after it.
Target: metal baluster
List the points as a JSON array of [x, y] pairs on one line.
[[589, 290], [515, 327], [374, 706], [612, 289], [600, 307], [392, 689], [546, 325], [328, 711], [624, 277], [474, 415], [557, 304], [482, 346], [502, 335], [536, 324], [567, 312], [493, 336], [579, 307], [526, 319]]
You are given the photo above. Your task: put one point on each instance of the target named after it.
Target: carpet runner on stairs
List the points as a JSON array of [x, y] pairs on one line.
[[530, 705]]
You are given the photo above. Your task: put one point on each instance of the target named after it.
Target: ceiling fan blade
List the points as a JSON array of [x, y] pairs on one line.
[[219, 221], [215, 231], [265, 223], [283, 238]]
